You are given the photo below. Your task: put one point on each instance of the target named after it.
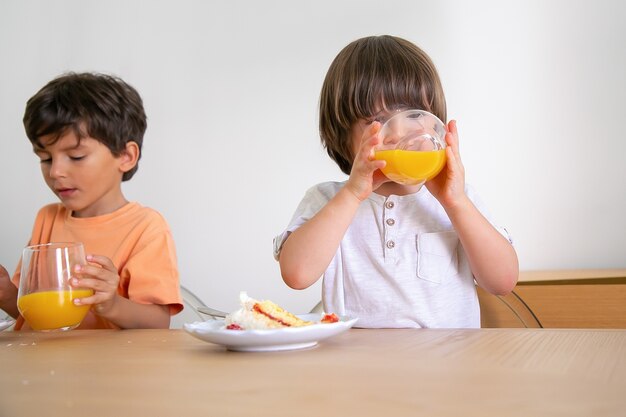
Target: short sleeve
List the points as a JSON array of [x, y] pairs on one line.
[[314, 199], [150, 274]]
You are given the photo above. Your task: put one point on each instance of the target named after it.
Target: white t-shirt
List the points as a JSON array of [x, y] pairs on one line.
[[399, 264]]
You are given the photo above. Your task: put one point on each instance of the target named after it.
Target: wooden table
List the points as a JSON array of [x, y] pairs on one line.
[[487, 372]]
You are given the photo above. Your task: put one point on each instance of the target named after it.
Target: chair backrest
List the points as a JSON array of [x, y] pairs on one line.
[[190, 313], [505, 311], [318, 308]]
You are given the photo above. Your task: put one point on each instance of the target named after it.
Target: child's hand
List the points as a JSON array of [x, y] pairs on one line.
[[102, 278], [365, 175], [5, 282], [8, 294], [4, 276], [449, 185]]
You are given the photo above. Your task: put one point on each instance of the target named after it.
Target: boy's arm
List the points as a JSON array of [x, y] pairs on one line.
[[128, 314], [491, 256], [8, 294], [306, 253]]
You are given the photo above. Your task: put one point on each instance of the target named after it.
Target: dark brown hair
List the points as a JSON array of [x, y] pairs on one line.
[[371, 74], [100, 106]]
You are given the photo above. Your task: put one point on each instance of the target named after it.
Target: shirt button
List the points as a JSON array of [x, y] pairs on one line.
[[391, 244], [390, 222], [389, 204]]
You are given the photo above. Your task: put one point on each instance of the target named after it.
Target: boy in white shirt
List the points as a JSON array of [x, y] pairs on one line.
[[392, 255]]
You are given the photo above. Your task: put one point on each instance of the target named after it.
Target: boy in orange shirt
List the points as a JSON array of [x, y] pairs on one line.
[[87, 130]]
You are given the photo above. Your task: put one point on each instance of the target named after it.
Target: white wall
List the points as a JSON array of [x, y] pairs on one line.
[[231, 91]]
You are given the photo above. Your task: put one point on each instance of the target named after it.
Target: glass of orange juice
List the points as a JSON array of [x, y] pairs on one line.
[[45, 296], [413, 145]]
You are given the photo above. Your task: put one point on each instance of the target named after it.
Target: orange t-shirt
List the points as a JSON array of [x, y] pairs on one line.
[[138, 241]]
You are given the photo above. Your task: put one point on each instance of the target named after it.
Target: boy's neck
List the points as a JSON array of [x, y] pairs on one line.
[[100, 210]]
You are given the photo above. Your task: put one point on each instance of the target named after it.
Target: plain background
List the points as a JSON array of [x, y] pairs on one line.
[[231, 91]]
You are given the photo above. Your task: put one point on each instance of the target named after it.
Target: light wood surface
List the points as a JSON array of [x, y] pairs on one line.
[[485, 372], [570, 274]]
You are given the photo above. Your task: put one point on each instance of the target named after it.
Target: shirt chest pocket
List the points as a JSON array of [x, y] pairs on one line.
[[437, 257]]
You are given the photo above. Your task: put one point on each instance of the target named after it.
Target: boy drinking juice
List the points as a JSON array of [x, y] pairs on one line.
[[87, 131], [391, 254]]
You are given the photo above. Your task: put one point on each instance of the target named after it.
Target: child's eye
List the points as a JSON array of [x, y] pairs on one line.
[[415, 116], [76, 158], [45, 161]]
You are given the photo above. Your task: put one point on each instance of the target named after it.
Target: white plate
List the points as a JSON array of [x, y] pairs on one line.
[[6, 323], [287, 338]]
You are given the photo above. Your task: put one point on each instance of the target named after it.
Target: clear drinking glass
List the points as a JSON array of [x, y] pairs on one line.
[[413, 146], [45, 296]]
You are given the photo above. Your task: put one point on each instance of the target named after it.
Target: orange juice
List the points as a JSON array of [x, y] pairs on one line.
[[48, 310], [411, 167]]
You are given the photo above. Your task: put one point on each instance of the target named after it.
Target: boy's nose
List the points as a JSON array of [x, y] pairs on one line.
[[391, 139], [57, 170]]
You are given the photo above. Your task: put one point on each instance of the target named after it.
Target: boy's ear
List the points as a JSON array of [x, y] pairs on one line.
[[129, 156]]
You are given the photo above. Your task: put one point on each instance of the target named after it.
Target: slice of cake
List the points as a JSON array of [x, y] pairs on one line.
[[266, 314]]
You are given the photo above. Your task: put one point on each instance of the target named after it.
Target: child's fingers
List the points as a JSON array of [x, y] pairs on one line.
[[452, 136], [375, 139], [96, 298], [452, 140], [87, 283], [374, 128], [366, 153], [367, 165], [94, 271], [99, 275], [93, 283], [452, 127], [85, 300], [370, 132], [103, 289], [377, 164], [103, 261], [451, 156]]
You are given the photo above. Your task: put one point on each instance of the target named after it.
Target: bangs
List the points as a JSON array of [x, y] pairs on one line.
[[51, 115], [57, 130], [386, 92]]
